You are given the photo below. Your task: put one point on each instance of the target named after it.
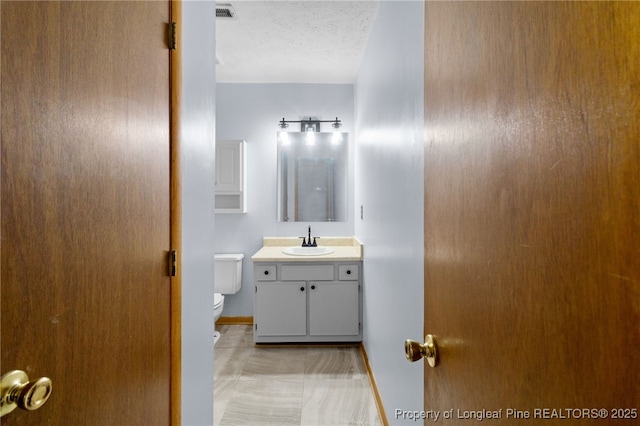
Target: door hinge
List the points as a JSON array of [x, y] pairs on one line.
[[173, 263], [173, 38]]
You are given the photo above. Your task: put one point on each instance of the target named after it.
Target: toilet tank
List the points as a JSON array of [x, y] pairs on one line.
[[227, 273]]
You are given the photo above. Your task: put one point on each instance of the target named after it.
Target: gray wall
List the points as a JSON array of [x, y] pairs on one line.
[[252, 112], [389, 185], [198, 151]]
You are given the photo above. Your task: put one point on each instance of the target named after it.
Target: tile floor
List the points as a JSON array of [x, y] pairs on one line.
[[289, 385]]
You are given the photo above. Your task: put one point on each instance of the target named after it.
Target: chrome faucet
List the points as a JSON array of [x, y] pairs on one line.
[[307, 242]]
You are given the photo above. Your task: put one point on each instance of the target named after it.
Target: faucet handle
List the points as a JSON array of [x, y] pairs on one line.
[[304, 242], [314, 242]]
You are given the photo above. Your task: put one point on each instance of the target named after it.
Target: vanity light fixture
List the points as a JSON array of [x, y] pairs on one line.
[[310, 127]]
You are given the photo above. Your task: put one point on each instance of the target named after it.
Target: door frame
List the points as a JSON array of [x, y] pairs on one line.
[[175, 78]]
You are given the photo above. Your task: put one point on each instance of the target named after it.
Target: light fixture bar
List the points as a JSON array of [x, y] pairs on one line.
[[305, 124]]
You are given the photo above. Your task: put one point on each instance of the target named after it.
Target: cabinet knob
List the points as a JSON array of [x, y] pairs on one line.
[[348, 271], [266, 272], [301, 288], [313, 287]]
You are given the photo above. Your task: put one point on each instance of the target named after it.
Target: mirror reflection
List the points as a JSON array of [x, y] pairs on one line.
[[312, 177]]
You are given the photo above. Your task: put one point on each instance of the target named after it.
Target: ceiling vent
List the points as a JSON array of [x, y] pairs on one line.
[[225, 11]]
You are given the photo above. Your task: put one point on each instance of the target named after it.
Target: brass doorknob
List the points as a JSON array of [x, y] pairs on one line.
[[416, 350], [16, 391]]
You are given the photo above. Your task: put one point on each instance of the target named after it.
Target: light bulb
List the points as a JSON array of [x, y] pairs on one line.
[[337, 137], [310, 137], [284, 137]]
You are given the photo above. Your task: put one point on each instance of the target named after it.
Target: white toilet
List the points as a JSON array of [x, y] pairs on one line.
[[227, 279]]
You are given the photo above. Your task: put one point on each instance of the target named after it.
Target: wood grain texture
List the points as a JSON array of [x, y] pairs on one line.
[[85, 208], [176, 216], [532, 205]]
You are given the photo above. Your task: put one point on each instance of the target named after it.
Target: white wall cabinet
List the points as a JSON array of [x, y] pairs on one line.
[[307, 302], [231, 182]]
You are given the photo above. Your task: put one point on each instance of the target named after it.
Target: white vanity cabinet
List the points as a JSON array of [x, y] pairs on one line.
[[307, 302]]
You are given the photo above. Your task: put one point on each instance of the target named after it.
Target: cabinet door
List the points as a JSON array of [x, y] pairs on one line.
[[334, 308], [229, 170], [281, 309]]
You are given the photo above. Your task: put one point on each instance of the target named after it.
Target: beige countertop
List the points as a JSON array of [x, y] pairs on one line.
[[345, 249]]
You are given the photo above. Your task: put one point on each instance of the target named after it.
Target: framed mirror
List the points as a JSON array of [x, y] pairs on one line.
[[312, 177]]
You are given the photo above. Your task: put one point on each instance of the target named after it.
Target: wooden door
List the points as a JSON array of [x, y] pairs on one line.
[[532, 210], [85, 209]]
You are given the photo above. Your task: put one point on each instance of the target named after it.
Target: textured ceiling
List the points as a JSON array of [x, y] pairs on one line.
[[275, 41]]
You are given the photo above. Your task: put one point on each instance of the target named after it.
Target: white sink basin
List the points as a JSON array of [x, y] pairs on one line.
[[307, 251]]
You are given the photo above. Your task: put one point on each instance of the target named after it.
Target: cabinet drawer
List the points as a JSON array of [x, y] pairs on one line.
[[348, 272], [265, 272], [306, 273]]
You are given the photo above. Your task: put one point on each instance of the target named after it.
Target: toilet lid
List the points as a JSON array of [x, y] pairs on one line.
[[217, 299]]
